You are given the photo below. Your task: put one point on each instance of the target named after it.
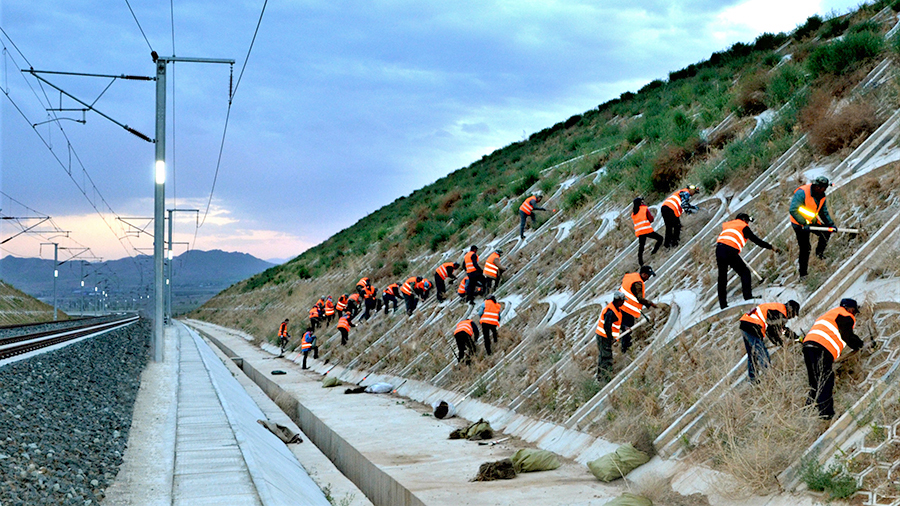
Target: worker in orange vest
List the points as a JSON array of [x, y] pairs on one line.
[[608, 330], [643, 228], [354, 301], [466, 334], [633, 289], [444, 271], [765, 320], [463, 288], [329, 310], [283, 335], [474, 272], [361, 286], [344, 325], [307, 344], [368, 301], [492, 271], [314, 317], [672, 209], [808, 208], [407, 289], [731, 241], [823, 344], [341, 303], [490, 320], [422, 289], [390, 295], [528, 207]]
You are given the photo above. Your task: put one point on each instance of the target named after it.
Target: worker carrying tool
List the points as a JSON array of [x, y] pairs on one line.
[[474, 272], [283, 336], [492, 271], [608, 330], [731, 240], [444, 271], [822, 346], [672, 209], [643, 228], [634, 290], [390, 295], [329, 310], [408, 295], [765, 320], [344, 325], [466, 334], [490, 320], [527, 209], [808, 209], [307, 344]]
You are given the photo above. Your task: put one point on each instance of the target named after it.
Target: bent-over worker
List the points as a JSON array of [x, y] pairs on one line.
[[634, 288], [466, 334], [490, 320], [765, 320], [731, 241], [643, 228], [608, 329], [672, 209]]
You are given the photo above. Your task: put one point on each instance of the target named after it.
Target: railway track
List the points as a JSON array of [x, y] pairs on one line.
[[17, 345]]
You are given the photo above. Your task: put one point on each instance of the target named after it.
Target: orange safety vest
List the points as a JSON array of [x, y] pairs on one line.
[[307, 341], [757, 316], [471, 260], [632, 306], [423, 285], [390, 289], [809, 204], [615, 326], [407, 287], [344, 323], [364, 282], [826, 333], [282, 330], [341, 303], [314, 312], [674, 202], [733, 234], [369, 292], [354, 298], [491, 314], [329, 307], [465, 326], [641, 221], [442, 270], [492, 265], [462, 286], [528, 206]]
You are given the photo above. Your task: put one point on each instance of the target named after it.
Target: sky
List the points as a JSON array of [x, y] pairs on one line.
[[340, 108]]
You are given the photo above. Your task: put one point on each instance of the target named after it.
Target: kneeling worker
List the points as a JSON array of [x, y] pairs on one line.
[[343, 326], [309, 343], [765, 320], [608, 328], [466, 334], [731, 241]]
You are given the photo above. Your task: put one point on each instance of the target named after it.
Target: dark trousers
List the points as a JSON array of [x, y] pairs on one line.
[[625, 338], [328, 319], [522, 219], [803, 240], [726, 257], [475, 279], [344, 335], [487, 329], [314, 322], [673, 227], [466, 347], [315, 350], [604, 359], [370, 308], [411, 302], [491, 284], [821, 378], [758, 359], [642, 241], [389, 299], [439, 287]]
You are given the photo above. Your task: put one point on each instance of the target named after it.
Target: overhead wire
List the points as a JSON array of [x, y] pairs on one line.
[[139, 25]]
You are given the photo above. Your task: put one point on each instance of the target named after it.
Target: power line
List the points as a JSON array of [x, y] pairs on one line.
[[139, 25]]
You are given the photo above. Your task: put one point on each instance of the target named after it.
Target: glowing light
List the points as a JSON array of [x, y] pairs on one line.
[[55, 273], [160, 172]]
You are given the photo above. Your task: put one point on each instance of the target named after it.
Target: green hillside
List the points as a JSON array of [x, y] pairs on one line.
[[16, 308]]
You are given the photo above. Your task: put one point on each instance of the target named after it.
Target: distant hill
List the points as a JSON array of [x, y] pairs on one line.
[[197, 276]]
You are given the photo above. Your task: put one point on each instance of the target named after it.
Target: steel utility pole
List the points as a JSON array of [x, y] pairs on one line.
[[159, 199]]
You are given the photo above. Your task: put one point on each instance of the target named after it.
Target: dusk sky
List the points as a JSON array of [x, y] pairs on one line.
[[343, 106]]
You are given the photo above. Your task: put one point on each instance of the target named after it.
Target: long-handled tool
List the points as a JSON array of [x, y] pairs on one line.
[[834, 229], [752, 270], [492, 443]]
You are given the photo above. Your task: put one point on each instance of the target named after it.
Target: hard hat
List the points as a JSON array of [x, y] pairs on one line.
[[538, 193], [745, 217], [499, 251], [820, 181], [849, 304], [619, 296], [694, 188]]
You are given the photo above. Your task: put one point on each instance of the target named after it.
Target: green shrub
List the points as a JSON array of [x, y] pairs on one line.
[[842, 56], [865, 26], [784, 84], [835, 480], [682, 128], [303, 272], [579, 196], [634, 135], [834, 27], [809, 27], [520, 186], [399, 267]]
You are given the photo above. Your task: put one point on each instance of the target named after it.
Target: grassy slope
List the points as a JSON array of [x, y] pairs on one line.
[[16, 307]]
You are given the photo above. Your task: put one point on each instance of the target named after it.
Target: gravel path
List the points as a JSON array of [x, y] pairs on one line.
[[65, 416]]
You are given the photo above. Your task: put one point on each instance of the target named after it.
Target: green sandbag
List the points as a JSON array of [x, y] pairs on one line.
[[627, 499], [480, 430], [330, 381], [618, 463], [529, 460]]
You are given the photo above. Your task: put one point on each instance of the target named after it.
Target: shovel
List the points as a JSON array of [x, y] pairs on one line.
[[491, 443]]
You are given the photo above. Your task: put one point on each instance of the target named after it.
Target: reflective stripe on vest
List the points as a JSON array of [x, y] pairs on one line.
[[732, 234], [674, 202], [363, 282], [471, 260], [528, 206], [390, 289], [344, 323], [462, 286], [642, 225], [314, 312], [825, 331], [490, 267], [355, 298], [632, 306], [369, 292], [442, 270], [758, 315], [809, 209], [491, 314], [465, 326], [615, 326], [307, 341], [341, 304], [329, 308], [407, 287]]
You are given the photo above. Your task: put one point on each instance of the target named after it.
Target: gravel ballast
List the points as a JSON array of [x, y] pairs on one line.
[[65, 416]]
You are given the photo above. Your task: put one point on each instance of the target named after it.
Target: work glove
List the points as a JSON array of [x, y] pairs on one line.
[[806, 227]]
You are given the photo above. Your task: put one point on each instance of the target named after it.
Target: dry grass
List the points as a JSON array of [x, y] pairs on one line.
[[660, 492], [846, 128]]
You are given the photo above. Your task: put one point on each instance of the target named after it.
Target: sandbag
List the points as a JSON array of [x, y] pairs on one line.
[[529, 460], [330, 381], [627, 499], [617, 464], [474, 432], [284, 434], [500, 470], [443, 409], [379, 388]]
